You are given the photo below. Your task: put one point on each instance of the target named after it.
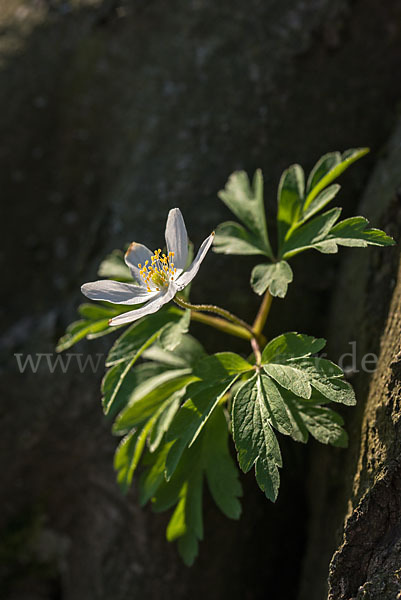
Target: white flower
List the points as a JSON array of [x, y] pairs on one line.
[[159, 277]]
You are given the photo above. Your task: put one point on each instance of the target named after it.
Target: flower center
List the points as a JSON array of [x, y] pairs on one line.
[[160, 272]]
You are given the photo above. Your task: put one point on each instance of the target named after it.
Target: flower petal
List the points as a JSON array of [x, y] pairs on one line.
[[151, 307], [116, 292], [177, 239], [188, 276], [137, 254]]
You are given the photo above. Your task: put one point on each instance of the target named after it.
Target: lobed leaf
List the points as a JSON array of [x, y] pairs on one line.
[[114, 402], [221, 366], [143, 405], [207, 459], [124, 460], [126, 368], [200, 400], [254, 437], [130, 450], [310, 234], [221, 471], [324, 235], [188, 352], [323, 166], [291, 345], [233, 238], [143, 332], [164, 419], [291, 378], [299, 376], [328, 168], [153, 476], [171, 334], [293, 403], [94, 324], [324, 424], [320, 201], [246, 202], [290, 198], [81, 329], [274, 276], [354, 232]]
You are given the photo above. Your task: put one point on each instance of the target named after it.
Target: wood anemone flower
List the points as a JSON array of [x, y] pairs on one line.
[[159, 276]]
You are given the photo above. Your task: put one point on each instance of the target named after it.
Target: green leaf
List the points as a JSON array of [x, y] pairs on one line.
[[94, 324], [124, 460], [233, 238], [114, 402], [299, 431], [254, 437], [153, 476], [130, 450], [320, 201], [301, 374], [324, 235], [139, 333], [354, 232], [291, 378], [150, 385], [188, 352], [309, 235], [275, 276], [79, 330], [146, 400], [208, 459], [130, 347], [310, 417], [326, 377], [186, 523], [187, 517], [200, 400], [96, 312], [323, 424], [278, 415], [221, 471], [328, 168], [323, 166], [246, 202], [164, 419], [188, 548], [321, 233], [114, 267], [291, 345], [172, 333], [218, 367], [290, 197]]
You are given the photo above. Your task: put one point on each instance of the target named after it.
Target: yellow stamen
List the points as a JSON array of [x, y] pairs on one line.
[[159, 272]]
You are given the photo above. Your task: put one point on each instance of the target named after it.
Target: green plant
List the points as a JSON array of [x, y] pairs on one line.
[[174, 405]]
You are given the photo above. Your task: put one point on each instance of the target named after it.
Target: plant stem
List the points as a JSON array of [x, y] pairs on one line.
[[222, 325], [262, 315], [256, 351], [215, 309], [230, 323]]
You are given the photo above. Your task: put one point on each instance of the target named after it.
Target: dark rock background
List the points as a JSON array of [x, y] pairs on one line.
[[112, 113]]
